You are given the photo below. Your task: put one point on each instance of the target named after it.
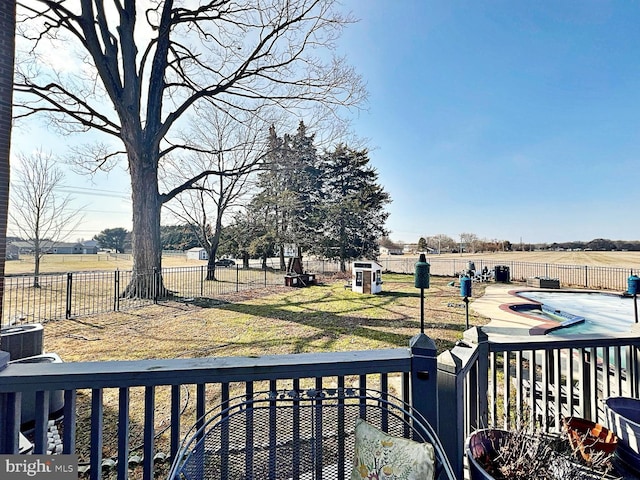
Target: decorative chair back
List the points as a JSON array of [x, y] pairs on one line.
[[297, 434]]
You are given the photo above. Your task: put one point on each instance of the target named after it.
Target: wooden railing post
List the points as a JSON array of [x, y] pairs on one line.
[[424, 378]]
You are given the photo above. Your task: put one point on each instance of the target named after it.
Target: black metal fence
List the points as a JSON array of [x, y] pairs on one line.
[[582, 276], [61, 296], [77, 294]]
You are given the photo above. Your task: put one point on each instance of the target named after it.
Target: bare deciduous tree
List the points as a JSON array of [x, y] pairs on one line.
[[239, 142], [145, 64], [39, 213]]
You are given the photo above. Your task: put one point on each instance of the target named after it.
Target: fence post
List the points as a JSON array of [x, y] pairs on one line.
[[424, 377], [237, 277], [586, 276], [450, 400], [265, 277], [202, 280], [116, 290], [67, 314], [156, 284]]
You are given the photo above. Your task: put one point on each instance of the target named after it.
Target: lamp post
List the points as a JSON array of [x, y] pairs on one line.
[[633, 285], [421, 281], [465, 291]]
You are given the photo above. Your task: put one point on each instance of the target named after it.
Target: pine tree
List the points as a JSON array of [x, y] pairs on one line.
[[354, 206]]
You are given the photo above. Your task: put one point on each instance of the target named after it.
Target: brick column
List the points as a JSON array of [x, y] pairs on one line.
[[7, 53]]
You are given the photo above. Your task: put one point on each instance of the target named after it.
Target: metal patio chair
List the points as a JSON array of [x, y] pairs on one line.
[[297, 434]]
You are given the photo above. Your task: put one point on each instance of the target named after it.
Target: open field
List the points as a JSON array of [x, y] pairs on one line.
[[601, 259], [80, 263], [76, 263]]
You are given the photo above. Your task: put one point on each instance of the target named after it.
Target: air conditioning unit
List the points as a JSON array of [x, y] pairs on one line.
[[22, 341], [56, 398]]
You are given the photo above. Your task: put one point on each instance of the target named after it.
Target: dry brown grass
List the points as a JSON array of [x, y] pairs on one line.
[[274, 320], [81, 263], [76, 263], [278, 320], [603, 259]]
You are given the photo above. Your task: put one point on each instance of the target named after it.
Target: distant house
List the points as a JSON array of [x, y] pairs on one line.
[[66, 248], [410, 248], [13, 252], [47, 246], [197, 253], [391, 250], [90, 247]]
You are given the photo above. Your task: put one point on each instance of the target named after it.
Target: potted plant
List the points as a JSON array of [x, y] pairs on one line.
[[495, 454], [589, 438], [623, 419]]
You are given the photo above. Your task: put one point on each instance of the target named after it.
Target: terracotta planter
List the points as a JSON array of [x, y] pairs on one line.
[[589, 437]]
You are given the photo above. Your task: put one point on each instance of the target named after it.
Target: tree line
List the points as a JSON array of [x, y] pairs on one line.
[[471, 243], [327, 204]]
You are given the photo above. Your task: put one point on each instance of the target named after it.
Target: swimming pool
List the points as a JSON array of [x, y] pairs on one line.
[[603, 312]]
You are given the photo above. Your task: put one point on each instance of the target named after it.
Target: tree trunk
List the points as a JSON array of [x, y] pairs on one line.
[[245, 260], [211, 262], [147, 248], [283, 264], [213, 248], [37, 255]]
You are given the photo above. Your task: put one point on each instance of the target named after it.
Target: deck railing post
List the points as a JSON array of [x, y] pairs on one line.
[[424, 377], [9, 422], [453, 367], [116, 290], [451, 403]]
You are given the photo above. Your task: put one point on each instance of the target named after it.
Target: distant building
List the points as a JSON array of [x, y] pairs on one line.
[[13, 252], [410, 248], [90, 247], [60, 248], [391, 250], [197, 253]]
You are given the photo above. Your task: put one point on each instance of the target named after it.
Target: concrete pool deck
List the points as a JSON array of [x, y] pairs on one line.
[[494, 304]]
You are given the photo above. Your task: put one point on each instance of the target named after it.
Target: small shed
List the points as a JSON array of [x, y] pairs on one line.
[[366, 277], [197, 253]]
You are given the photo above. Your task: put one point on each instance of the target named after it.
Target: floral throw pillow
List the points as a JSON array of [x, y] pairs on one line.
[[384, 457]]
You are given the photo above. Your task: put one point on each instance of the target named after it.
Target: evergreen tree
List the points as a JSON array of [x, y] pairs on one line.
[[289, 192], [112, 238], [354, 215], [178, 237]]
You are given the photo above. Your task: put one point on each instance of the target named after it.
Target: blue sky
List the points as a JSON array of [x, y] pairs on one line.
[[512, 120]]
